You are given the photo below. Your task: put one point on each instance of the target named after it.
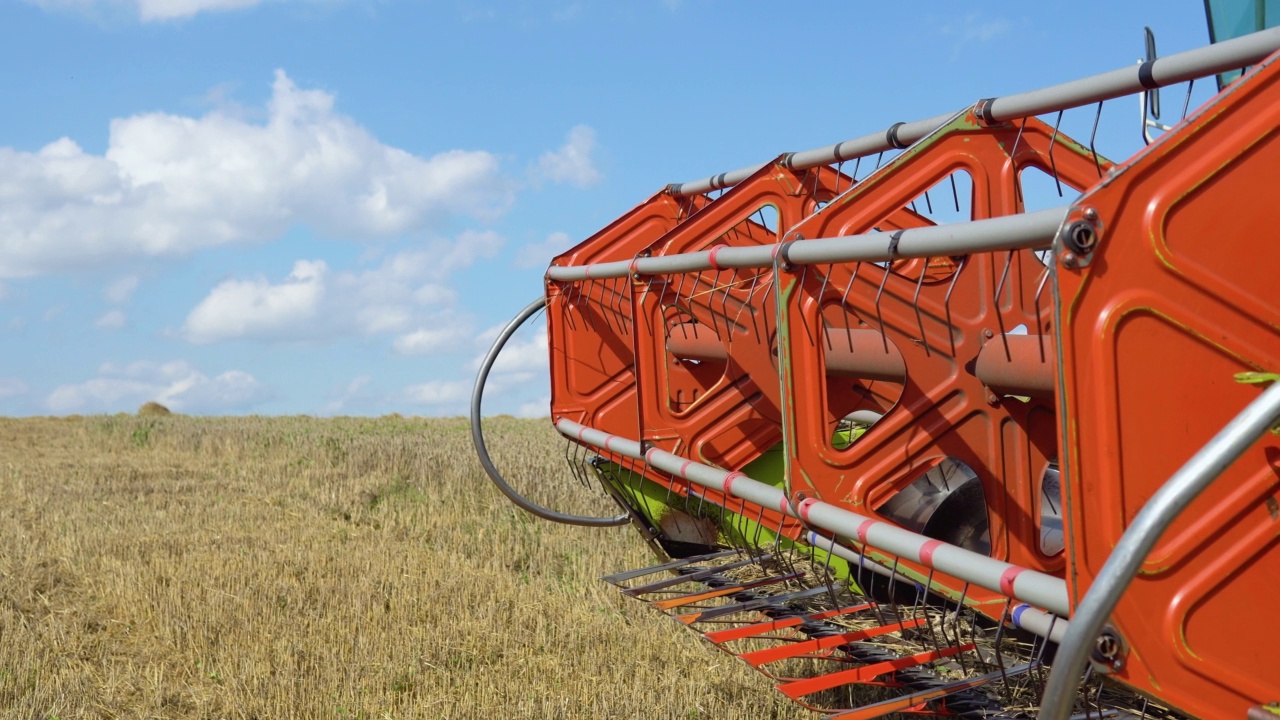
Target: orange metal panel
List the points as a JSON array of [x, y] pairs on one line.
[[1178, 296]]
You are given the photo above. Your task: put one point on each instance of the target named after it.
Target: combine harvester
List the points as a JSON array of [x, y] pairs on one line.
[[1018, 464]]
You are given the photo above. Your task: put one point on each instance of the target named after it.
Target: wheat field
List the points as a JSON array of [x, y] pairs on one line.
[[182, 567]]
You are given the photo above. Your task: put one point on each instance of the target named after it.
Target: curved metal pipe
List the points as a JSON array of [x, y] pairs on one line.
[[482, 451], [1141, 536]]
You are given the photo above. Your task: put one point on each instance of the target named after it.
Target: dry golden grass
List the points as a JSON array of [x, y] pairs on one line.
[[168, 566]]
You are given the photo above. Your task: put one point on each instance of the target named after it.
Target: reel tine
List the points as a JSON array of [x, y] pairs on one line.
[[1004, 277], [1013, 158], [1093, 138], [915, 300], [880, 294], [1186, 104], [955, 194], [1004, 618], [1052, 162], [821, 294], [676, 303], [946, 303]]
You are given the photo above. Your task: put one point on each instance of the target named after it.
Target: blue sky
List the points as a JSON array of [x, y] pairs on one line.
[[328, 206]]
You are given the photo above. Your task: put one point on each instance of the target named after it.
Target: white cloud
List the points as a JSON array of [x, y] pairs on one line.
[[121, 289], [174, 9], [438, 392], [147, 10], [539, 408], [176, 385], [405, 294], [111, 320], [526, 353], [354, 391], [572, 163], [431, 341], [540, 254], [170, 184], [11, 387]]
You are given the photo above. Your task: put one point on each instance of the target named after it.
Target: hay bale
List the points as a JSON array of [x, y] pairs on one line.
[[153, 408]]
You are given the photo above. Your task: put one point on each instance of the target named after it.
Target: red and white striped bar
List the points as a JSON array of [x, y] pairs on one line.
[[1029, 586]]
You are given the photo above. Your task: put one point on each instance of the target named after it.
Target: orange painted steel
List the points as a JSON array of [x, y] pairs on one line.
[[939, 317], [589, 324], [1178, 296], [723, 413]]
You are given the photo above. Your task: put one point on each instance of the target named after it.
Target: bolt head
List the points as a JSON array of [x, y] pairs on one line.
[[1090, 214], [988, 334], [993, 400], [1070, 260]]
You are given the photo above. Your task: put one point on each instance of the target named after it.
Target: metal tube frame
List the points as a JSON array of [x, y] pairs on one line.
[[482, 450], [1033, 230], [1141, 536], [1189, 65], [1029, 586]]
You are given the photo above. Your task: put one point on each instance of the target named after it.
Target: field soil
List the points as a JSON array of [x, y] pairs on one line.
[[179, 567]]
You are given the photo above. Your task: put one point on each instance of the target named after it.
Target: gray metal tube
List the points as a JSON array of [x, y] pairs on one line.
[[1026, 230], [1025, 617], [1141, 536], [1029, 586], [482, 450], [1227, 55], [1200, 62], [904, 134], [715, 182]]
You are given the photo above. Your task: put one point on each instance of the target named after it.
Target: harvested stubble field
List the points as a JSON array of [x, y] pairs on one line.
[[167, 567]]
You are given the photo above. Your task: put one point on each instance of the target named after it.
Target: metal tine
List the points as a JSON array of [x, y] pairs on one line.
[[1186, 104], [960, 606], [755, 540], [1044, 280], [822, 293], [839, 174], [729, 326], [1093, 137], [702, 496], [683, 578], [915, 301], [912, 205], [1013, 158], [750, 292], [619, 289], [575, 289], [612, 302], [755, 604], [670, 565], [694, 294], [568, 458], [955, 194], [679, 289], [1004, 617], [928, 203], [638, 490], [624, 307], [933, 634], [1004, 277], [946, 303], [804, 275], [844, 303], [828, 580], [584, 291], [1053, 163], [607, 305], [888, 266], [893, 579]]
